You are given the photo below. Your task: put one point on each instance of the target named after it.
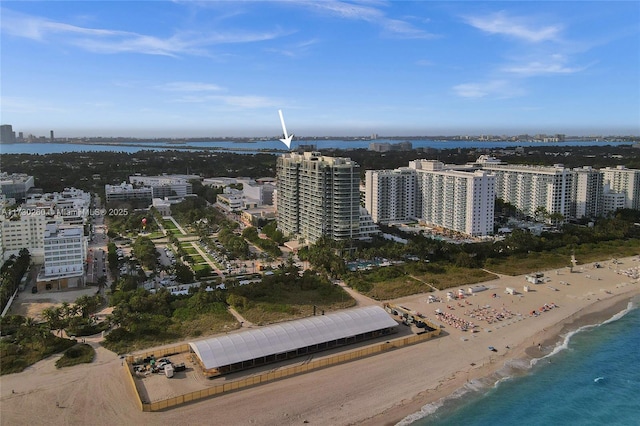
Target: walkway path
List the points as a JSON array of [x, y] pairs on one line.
[[243, 322], [180, 228], [361, 299], [424, 282], [496, 274], [205, 256]]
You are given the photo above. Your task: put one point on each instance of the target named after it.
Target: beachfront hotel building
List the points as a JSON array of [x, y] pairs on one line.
[[391, 196], [530, 188], [318, 196], [623, 180], [65, 252], [588, 198], [458, 198]]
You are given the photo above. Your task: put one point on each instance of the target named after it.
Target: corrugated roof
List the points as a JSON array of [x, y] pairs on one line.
[[288, 336]]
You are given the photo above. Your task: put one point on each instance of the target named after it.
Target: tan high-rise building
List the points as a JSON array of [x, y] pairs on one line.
[[318, 196]]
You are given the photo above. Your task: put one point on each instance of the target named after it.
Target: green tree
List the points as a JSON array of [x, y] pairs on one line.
[[56, 318], [184, 274], [88, 304]]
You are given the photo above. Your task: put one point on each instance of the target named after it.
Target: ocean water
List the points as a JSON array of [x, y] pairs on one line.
[[591, 378], [273, 146]]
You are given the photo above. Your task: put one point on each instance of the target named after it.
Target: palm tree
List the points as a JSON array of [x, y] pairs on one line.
[[56, 318]]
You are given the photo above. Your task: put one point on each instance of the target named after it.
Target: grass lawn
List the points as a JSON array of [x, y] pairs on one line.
[[169, 225], [561, 258], [179, 328], [267, 313], [78, 354], [393, 282], [188, 248], [200, 266], [268, 302], [18, 355]]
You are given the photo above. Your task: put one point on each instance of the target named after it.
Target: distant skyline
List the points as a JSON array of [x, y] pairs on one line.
[[393, 68]]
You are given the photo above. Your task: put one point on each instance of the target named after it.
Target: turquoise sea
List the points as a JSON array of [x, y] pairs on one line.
[[591, 378]]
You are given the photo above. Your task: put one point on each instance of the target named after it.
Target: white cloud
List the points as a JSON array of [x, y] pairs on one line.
[[248, 101], [113, 41], [499, 89], [518, 27], [190, 86], [540, 68], [236, 101], [294, 50], [366, 12], [554, 64]]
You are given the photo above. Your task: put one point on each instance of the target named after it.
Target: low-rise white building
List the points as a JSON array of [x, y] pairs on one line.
[[128, 192], [15, 185], [166, 185], [231, 200]]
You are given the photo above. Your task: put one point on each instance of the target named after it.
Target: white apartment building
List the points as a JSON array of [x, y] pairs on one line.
[[65, 252], [367, 226], [530, 188], [587, 193], [627, 181], [25, 225], [318, 196], [72, 204], [612, 201], [24, 230], [392, 196], [459, 199]]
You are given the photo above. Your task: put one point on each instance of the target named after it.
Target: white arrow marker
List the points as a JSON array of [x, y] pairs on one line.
[[287, 138]]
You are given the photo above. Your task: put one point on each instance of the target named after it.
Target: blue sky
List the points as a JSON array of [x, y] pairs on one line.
[[224, 68]]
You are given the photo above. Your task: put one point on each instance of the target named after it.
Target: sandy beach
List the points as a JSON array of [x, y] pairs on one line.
[[382, 389]]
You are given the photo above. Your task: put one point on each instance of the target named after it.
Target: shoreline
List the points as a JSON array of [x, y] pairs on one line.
[[382, 389], [550, 339]]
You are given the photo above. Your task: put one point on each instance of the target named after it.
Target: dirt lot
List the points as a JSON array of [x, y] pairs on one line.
[[32, 304]]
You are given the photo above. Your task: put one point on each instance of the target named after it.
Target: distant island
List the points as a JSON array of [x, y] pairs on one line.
[[542, 138]]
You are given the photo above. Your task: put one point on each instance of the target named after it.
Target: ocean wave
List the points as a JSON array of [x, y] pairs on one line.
[[564, 343], [512, 368], [431, 408]]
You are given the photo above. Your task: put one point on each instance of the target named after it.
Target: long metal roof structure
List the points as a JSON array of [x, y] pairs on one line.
[[288, 336]]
